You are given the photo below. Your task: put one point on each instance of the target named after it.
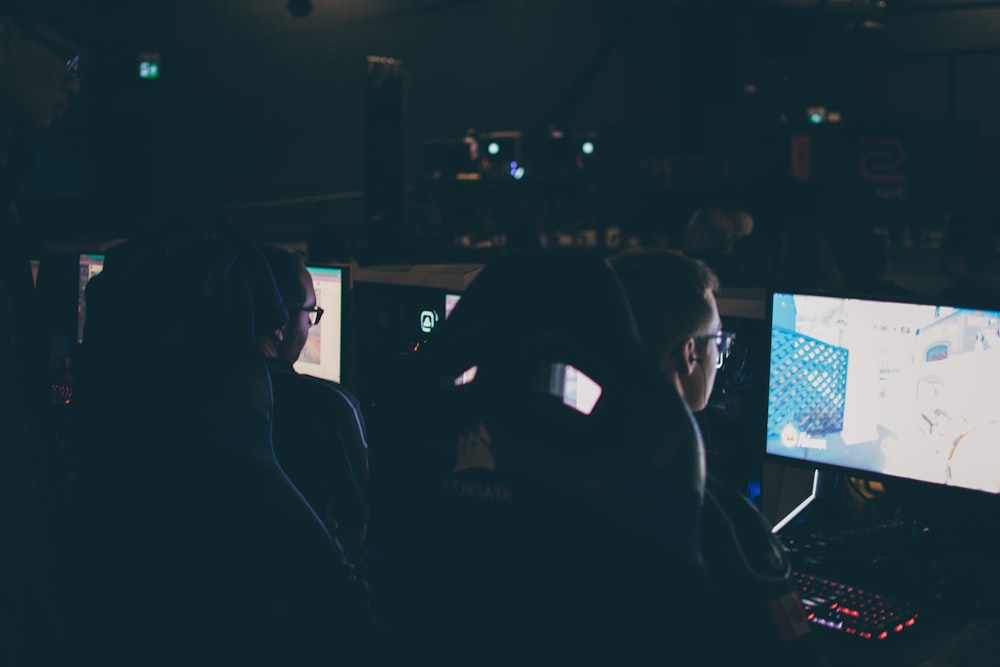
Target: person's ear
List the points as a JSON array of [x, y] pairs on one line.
[[689, 358]]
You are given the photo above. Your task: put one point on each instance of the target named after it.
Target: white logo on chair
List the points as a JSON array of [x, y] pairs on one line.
[[473, 451]]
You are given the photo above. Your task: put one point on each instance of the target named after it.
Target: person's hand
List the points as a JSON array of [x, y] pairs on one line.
[[977, 645]]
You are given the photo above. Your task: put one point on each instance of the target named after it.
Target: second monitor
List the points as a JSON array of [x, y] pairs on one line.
[[89, 266], [323, 354]]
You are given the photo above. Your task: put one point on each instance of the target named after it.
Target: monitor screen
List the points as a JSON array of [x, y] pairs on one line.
[[579, 391], [89, 266], [885, 388], [321, 356], [450, 301]]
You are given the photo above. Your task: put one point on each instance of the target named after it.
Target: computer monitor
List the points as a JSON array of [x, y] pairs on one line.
[[885, 389], [450, 301], [322, 355], [391, 320], [89, 265], [396, 307]]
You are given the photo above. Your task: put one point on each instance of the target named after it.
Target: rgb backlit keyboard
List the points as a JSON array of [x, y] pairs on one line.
[[853, 611]]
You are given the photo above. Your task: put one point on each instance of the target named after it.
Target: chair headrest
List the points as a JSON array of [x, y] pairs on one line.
[[527, 318], [568, 294], [173, 304], [183, 290]]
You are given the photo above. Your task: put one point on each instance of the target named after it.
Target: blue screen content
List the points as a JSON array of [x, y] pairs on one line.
[[898, 389]]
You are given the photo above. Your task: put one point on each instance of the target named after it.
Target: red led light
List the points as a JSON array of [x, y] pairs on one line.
[[883, 635], [899, 628]]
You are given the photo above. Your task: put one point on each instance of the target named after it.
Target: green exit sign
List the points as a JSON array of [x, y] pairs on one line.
[[149, 65]]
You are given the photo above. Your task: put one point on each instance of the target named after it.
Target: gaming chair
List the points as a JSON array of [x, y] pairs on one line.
[[518, 519], [192, 545]]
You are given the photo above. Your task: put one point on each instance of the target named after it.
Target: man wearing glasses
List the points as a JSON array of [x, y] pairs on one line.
[[39, 70], [673, 301], [319, 431], [39, 66]]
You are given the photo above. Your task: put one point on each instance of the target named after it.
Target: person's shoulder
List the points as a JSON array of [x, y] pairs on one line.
[[284, 375], [313, 388], [331, 387]]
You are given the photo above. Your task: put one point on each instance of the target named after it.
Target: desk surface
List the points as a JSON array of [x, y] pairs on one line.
[[952, 584]]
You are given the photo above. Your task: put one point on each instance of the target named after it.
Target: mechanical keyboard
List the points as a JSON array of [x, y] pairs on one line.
[[852, 611]]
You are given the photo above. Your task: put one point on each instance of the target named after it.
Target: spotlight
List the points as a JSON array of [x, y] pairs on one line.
[[300, 8]]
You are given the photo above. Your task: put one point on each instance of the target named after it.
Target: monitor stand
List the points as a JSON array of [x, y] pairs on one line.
[[798, 509], [787, 491]]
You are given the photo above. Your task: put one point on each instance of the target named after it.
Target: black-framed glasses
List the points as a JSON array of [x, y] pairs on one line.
[[723, 343], [60, 51], [315, 315]]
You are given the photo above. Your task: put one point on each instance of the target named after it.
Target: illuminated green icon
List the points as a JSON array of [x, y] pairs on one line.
[[149, 65], [428, 319], [149, 70]]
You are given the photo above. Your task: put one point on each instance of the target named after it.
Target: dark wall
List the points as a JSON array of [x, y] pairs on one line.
[[261, 115]]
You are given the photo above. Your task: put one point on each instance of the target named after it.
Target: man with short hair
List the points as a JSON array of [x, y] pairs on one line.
[[39, 68], [673, 302], [319, 430]]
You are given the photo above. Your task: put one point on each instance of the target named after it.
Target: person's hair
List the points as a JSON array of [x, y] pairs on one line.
[[286, 267], [668, 294], [710, 229]]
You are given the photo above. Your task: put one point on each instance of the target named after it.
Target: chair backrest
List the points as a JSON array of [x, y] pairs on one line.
[[319, 438], [194, 546], [539, 477]]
